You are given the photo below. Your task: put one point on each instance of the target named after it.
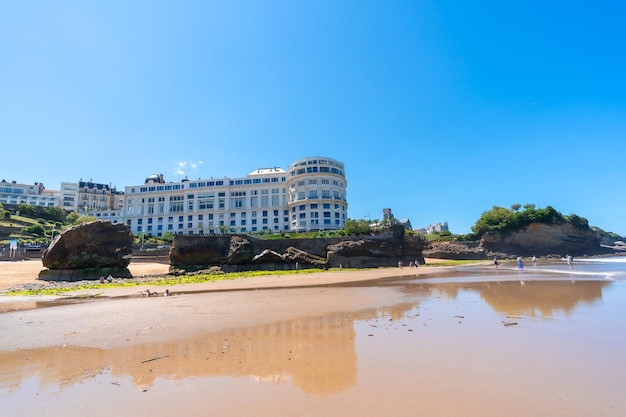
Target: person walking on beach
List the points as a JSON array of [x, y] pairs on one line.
[[495, 262], [534, 260], [520, 264], [570, 261]]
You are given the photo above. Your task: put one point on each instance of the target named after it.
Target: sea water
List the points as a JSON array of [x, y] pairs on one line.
[[609, 268], [613, 268]]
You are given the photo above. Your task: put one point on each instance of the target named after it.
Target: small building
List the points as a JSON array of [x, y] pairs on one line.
[[433, 228]]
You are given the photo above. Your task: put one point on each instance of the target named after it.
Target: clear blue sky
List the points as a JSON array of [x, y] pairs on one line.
[[439, 109]]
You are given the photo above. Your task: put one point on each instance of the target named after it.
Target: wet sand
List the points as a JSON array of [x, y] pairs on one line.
[[341, 343], [235, 303]]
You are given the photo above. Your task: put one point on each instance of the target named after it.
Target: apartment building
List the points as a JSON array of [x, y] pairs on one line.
[[30, 194], [310, 195], [90, 198]]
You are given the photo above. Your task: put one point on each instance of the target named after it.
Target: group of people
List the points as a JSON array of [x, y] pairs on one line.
[[412, 264], [102, 280], [520, 262]]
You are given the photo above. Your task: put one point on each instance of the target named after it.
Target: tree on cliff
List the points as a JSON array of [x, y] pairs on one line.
[[54, 213], [26, 209], [500, 219], [357, 227], [75, 219]]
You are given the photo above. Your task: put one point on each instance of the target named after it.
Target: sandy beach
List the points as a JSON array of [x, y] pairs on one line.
[[23, 272], [389, 341]]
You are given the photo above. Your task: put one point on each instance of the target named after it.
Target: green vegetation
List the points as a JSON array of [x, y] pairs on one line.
[[35, 229], [169, 280], [166, 280], [500, 219], [36, 225], [357, 227]]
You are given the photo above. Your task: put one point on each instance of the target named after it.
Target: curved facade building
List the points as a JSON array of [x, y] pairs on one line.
[[311, 195], [316, 194]]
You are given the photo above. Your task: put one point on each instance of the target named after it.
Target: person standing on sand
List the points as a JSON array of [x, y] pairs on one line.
[[520, 263], [534, 260], [495, 262], [570, 261]]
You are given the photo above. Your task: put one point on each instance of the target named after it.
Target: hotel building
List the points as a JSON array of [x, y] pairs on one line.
[[310, 195]]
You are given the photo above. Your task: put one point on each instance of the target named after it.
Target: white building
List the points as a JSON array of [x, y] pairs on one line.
[[30, 194], [310, 196], [434, 228], [69, 196], [317, 194]]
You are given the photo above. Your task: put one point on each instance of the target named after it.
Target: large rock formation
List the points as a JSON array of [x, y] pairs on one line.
[[240, 252], [88, 251], [539, 239], [546, 239]]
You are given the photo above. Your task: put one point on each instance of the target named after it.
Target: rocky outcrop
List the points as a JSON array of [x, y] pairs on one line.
[[268, 257], [537, 239], [369, 253], [240, 252], [91, 245], [297, 256], [89, 251], [455, 251], [546, 239], [199, 252]]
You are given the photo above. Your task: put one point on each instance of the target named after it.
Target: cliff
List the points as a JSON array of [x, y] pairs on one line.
[[537, 239], [543, 239]]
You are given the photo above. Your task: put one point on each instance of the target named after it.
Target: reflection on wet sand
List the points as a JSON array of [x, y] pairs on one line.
[[510, 296], [541, 299], [318, 353]]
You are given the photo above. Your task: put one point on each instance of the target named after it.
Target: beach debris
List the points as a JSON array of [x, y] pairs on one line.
[[509, 323], [155, 359]]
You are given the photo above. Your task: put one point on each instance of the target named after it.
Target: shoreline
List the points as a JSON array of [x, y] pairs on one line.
[[24, 274]]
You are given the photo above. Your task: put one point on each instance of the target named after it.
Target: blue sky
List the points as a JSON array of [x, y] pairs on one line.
[[438, 109]]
